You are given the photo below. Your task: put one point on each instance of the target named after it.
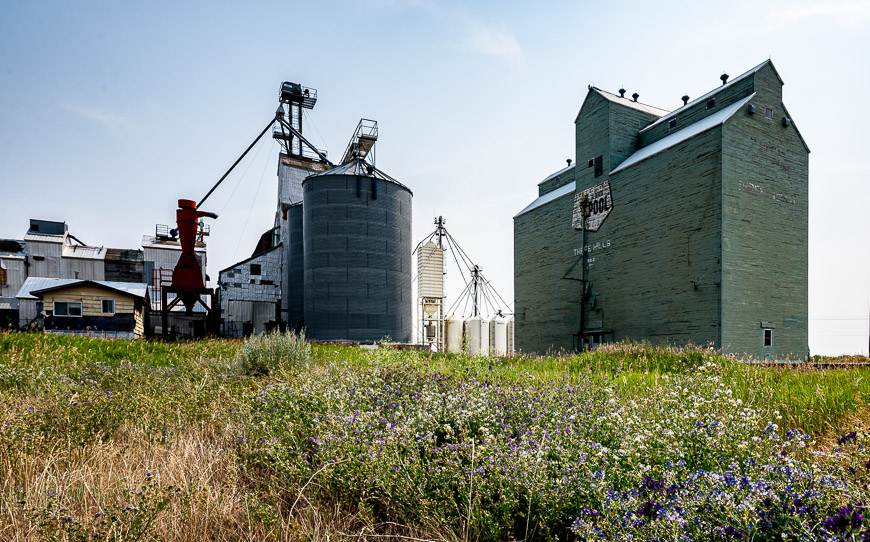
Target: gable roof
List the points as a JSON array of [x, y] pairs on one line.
[[34, 287], [556, 174], [252, 257], [683, 134], [640, 106], [548, 197], [742, 76]]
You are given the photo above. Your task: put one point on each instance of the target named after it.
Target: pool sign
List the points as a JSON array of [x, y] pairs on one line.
[[599, 203]]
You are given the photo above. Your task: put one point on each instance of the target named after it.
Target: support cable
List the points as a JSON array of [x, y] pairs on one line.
[[239, 159]]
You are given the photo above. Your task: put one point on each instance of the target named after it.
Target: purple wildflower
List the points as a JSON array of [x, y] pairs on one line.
[[850, 436], [847, 517]]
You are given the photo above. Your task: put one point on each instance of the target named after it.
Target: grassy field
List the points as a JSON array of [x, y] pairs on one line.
[[280, 440]]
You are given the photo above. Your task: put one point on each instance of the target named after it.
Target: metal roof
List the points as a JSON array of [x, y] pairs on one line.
[[44, 237], [84, 252], [39, 284], [252, 257], [740, 77], [8, 248], [149, 241], [548, 197], [683, 134], [358, 167], [646, 108], [554, 175]]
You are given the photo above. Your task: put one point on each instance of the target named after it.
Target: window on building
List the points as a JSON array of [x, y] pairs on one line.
[[256, 269], [108, 306], [39, 258], [39, 308], [599, 165], [768, 113], [672, 124], [768, 337], [3, 277], [591, 162], [67, 308], [711, 103]]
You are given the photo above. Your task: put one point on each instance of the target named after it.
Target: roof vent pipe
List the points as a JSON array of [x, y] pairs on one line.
[[622, 93], [685, 99], [724, 78], [635, 96], [569, 162]]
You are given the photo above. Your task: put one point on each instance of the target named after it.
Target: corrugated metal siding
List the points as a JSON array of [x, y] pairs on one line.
[[81, 268], [295, 275], [44, 259], [16, 273], [430, 271], [357, 252]]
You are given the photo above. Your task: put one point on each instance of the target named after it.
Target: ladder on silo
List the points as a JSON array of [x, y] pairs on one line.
[[362, 141]]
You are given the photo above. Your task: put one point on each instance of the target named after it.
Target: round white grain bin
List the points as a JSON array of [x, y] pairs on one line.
[[477, 336], [498, 337], [453, 335]]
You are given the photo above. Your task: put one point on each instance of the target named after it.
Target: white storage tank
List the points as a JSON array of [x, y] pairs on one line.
[[498, 336], [453, 335], [477, 336]]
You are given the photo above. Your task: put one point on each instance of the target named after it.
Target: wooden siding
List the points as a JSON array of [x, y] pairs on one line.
[[765, 221], [91, 300], [16, 273], [557, 182], [654, 263], [546, 305], [724, 98]]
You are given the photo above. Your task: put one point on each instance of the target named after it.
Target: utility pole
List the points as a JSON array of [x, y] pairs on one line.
[[440, 230], [475, 279], [584, 202]]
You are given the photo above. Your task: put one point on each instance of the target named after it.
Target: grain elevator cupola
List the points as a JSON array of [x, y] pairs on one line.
[[292, 99]]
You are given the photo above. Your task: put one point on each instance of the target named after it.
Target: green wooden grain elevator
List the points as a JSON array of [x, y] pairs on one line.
[[678, 227]]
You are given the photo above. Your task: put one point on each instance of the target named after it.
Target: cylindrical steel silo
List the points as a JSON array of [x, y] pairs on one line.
[[295, 267], [357, 255]]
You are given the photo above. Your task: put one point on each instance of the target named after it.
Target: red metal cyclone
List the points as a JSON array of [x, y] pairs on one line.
[[187, 276]]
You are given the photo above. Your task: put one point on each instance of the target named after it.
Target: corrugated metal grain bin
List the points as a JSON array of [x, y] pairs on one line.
[[295, 267], [357, 255]]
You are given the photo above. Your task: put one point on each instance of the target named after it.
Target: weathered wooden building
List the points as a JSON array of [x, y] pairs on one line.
[[250, 290], [675, 227], [50, 251], [13, 271], [86, 307]]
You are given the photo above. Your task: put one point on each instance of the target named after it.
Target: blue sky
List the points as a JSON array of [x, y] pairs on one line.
[[111, 111]]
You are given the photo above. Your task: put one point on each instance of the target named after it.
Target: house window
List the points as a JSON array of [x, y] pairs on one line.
[[38, 258], [591, 162], [672, 124], [2, 275], [39, 308], [108, 306], [599, 166], [67, 308], [256, 269], [711, 103], [768, 113], [768, 337]]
